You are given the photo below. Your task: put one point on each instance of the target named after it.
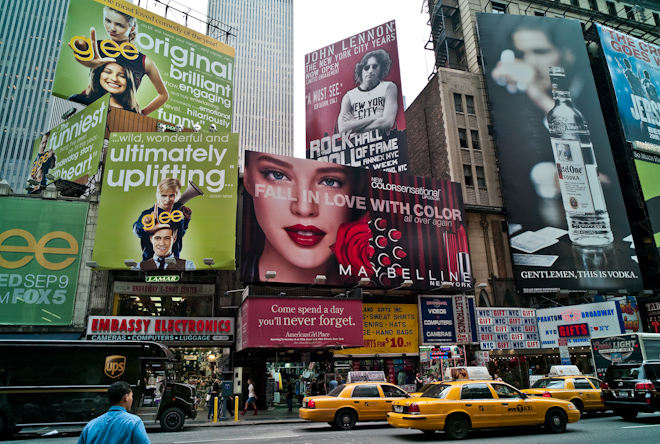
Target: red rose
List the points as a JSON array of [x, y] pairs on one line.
[[353, 246]]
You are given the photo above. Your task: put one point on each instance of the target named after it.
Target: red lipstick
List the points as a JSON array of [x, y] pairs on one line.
[[305, 235]]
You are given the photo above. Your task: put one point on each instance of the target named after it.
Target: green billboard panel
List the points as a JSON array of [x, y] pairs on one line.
[[168, 196], [40, 248]]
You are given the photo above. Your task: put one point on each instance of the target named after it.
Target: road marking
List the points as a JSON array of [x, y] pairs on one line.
[[235, 439], [639, 427]]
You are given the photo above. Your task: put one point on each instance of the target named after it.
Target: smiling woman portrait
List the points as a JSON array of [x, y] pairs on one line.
[[114, 79], [290, 219]]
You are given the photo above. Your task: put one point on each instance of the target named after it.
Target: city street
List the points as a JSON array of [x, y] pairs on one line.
[[591, 430]]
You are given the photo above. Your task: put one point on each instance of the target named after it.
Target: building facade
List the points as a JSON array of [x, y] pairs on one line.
[[29, 47], [263, 86]]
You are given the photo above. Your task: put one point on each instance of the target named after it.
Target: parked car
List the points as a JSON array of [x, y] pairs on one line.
[[629, 388]]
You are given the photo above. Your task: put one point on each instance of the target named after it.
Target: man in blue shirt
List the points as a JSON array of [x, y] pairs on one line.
[[117, 425]]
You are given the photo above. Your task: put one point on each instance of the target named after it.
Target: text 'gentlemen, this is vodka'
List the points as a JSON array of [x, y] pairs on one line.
[[581, 190]]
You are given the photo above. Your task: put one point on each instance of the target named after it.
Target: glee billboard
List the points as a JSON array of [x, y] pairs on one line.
[[72, 150], [40, 248], [168, 202], [146, 63], [303, 218], [299, 323], [354, 104]]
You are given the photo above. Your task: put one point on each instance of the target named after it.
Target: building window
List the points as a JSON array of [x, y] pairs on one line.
[[593, 5], [458, 103], [499, 8], [474, 135], [467, 172], [481, 178], [611, 9], [629, 12], [656, 19], [539, 13], [462, 137], [469, 104], [575, 3]]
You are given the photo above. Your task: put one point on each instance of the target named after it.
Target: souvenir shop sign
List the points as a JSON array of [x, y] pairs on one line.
[[447, 319], [299, 323], [387, 328], [160, 328], [139, 288], [603, 319], [505, 328]]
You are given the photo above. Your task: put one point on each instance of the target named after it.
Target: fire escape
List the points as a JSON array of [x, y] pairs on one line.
[[446, 39]]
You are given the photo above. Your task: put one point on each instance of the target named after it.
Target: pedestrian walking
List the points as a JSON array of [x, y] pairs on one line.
[[289, 396], [252, 398], [117, 425], [215, 391]]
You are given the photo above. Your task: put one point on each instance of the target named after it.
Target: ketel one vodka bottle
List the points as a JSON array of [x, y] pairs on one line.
[[581, 191]]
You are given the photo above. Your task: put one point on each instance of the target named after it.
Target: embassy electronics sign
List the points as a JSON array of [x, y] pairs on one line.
[[159, 328], [40, 247], [602, 319]]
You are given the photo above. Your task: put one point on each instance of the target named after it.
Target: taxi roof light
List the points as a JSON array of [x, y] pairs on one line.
[[311, 404], [413, 408]]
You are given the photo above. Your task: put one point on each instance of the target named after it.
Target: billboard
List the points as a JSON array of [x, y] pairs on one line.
[[633, 66], [303, 218], [507, 328], [148, 64], [160, 328], [652, 316], [387, 328], [299, 323], [354, 104], [72, 150], [648, 171], [578, 323], [168, 195], [559, 173], [40, 247], [447, 320]]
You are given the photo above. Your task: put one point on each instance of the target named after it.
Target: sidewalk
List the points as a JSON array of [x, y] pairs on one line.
[[278, 415]]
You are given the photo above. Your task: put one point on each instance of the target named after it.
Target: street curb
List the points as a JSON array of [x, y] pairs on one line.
[[243, 422]]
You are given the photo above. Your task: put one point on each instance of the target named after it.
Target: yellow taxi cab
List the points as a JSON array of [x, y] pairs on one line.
[[568, 383], [349, 403], [457, 406]]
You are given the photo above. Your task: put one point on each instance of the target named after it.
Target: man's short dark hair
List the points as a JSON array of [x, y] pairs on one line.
[[384, 61], [117, 390]]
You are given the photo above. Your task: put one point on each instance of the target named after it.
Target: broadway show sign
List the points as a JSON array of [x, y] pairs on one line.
[[72, 150], [387, 328], [651, 313], [159, 328], [354, 104], [299, 323], [578, 323], [634, 67], [40, 248], [506, 328], [148, 64], [447, 319], [303, 218], [545, 258], [168, 195]]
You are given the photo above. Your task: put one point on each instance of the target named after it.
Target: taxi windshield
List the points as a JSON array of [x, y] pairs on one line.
[[438, 391], [549, 383]]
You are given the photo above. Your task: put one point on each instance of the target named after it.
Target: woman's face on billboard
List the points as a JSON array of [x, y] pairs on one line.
[[289, 198], [113, 78], [116, 25]]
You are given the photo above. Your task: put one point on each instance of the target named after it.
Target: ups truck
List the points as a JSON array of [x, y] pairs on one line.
[[625, 348], [55, 383]]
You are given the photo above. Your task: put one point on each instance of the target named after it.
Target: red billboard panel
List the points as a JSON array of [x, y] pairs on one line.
[[299, 323], [353, 102], [303, 218]]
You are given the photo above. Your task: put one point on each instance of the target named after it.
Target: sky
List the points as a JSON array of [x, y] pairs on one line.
[[320, 23]]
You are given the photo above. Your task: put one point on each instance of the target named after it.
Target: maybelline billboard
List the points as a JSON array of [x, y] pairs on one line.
[[354, 104], [303, 218], [567, 221]]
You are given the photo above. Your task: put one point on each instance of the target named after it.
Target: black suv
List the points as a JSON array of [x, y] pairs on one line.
[[630, 388]]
